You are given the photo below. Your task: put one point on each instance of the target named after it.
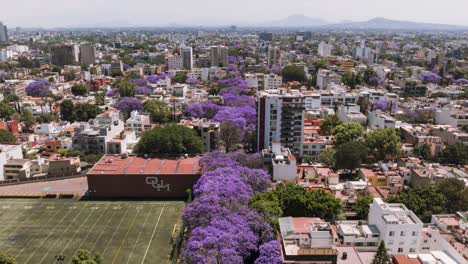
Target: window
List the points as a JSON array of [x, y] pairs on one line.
[[414, 233], [412, 250], [390, 242], [400, 250], [402, 233], [392, 233]]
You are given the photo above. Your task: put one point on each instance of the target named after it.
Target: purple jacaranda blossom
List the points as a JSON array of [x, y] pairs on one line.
[[126, 66], [112, 92], [253, 161], [375, 81], [216, 159], [461, 81], [39, 88], [143, 90], [257, 179], [192, 81], [129, 104], [243, 117], [420, 115], [206, 109], [220, 242], [234, 85], [238, 100], [139, 82], [233, 60], [154, 79], [275, 70], [430, 77], [394, 69], [270, 253], [381, 104]]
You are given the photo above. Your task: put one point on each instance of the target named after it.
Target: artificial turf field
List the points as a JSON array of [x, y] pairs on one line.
[[34, 231]]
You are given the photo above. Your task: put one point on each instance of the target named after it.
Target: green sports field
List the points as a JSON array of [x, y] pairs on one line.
[[35, 231]]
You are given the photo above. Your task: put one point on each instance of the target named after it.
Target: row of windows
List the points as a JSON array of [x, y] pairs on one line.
[[402, 233]]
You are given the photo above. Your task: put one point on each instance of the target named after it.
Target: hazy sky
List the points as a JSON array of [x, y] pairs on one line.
[[63, 13]]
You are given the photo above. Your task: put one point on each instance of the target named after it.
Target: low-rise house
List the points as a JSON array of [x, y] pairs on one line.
[[64, 166], [8, 152], [358, 234], [308, 240], [138, 122], [282, 162]]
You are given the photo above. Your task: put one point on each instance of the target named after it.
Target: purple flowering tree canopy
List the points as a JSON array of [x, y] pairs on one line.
[[462, 81], [206, 109], [129, 104], [139, 82], [192, 81], [238, 100], [270, 253], [112, 92], [243, 117], [275, 70], [430, 77], [39, 88], [143, 90]]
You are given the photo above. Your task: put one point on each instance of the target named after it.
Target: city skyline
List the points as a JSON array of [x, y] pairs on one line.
[[213, 13]]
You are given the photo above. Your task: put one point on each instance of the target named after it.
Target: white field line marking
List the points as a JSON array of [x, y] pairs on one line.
[[138, 237], [36, 233], [125, 237], [113, 234], [152, 235], [89, 231], [51, 232], [102, 232], [13, 223], [76, 232], [63, 232], [16, 227]]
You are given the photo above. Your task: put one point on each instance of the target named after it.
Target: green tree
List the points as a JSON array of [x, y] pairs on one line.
[[383, 142], [86, 257], [126, 88], [351, 155], [158, 110], [329, 123], [346, 132], [7, 259], [268, 206], [293, 73], [11, 98], [381, 257], [79, 89], [423, 151], [328, 157], [180, 77], [67, 110], [6, 110], [85, 112], [170, 139], [455, 193], [99, 98], [28, 120], [362, 206], [116, 73], [424, 201], [295, 201], [455, 154], [369, 73], [70, 76], [6, 137]]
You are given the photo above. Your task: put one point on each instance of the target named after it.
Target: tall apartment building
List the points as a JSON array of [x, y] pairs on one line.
[[3, 32], [398, 226], [203, 61], [324, 49], [272, 81], [61, 55], [280, 119], [274, 54], [219, 56], [187, 57], [174, 62], [266, 36], [87, 53]]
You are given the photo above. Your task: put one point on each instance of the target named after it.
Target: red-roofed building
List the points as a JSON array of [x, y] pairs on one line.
[[121, 176]]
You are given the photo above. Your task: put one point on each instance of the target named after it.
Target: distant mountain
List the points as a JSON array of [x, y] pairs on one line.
[[295, 21], [383, 23]]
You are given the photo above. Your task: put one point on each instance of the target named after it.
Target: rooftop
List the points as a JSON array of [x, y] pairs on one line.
[[115, 164]]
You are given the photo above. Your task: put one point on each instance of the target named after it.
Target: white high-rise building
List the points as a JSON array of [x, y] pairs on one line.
[[324, 49], [399, 227], [174, 62], [187, 57], [274, 54], [3, 32], [219, 56], [281, 119]]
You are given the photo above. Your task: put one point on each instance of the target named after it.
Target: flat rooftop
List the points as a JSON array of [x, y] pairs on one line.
[[115, 164]]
